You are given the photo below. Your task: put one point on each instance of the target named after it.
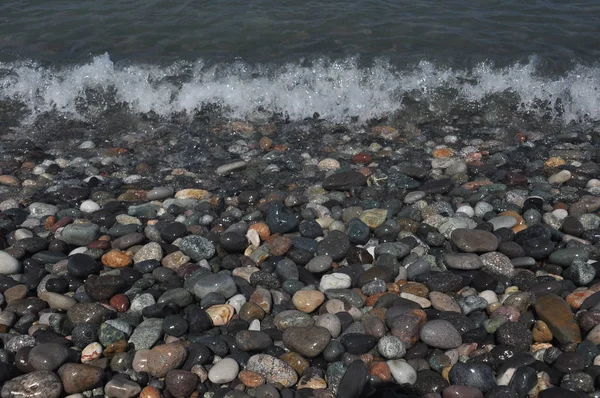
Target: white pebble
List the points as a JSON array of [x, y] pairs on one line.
[[23, 233], [224, 371], [489, 296], [593, 183], [89, 206], [78, 250], [87, 145], [560, 214], [254, 325], [236, 302], [336, 280], [466, 209], [560, 177], [402, 372], [8, 264]]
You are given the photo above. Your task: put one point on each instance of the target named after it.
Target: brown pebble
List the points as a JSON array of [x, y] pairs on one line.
[[308, 300], [17, 292], [220, 314], [119, 302], [541, 332], [116, 259], [381, 370], [251, 379], [99, 244], [9, 180], [296, 361], [263, 230], [265, 143], [150, 392], [362, 158], [280, 245]]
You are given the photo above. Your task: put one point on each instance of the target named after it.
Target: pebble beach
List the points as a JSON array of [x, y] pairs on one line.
[[304, 259]]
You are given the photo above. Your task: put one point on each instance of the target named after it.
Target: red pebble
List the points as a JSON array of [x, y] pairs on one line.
[[362, 158], [119, 302]]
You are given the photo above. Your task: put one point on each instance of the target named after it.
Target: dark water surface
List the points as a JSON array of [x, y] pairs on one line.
[[345, 60]]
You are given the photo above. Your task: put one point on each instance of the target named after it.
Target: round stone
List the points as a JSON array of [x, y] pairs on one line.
[[474, 241], [440, 333], [473, 374], [77, 378], [390, 347], [224, 371], [48, 356], [215, 283], [402, 372], [308, 300]]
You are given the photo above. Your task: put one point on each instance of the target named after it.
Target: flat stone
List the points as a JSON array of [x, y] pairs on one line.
[[215, 283], [120, 387], [464, 261], [147, 333], [344, 181], [556, 313], [474, 241]]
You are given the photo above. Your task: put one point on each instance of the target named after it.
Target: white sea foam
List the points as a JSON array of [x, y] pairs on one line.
[[337, 90]]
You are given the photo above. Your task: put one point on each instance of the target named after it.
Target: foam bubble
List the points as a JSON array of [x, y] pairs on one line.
[[337, 90]]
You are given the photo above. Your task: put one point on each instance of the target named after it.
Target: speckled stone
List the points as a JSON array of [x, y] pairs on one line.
[[166, 357], [38, 384], [272, 369]]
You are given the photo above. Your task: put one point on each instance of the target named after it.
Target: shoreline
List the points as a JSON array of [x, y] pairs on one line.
[[299, 259]]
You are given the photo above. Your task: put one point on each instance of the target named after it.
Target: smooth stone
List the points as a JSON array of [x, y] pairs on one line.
[[80, 234], [354, 380], [334, 245], [8, 264], [274, 370], [77, 378], [402, 372], [119, 387], [461, 392], [215, 283], [440, 333], [159, 193], [564, 257], [344, 181], [330, 322], [181, 383], [308, 300], [319, 264], [253, 340], [224, 371], [308, 341], [48, 356], [335, 280], [473, 374], [463, 261], [280, 219], [556, 313], [229, 167], [38, 384], [474, 241], [165, 357]]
